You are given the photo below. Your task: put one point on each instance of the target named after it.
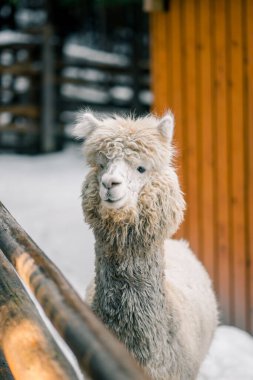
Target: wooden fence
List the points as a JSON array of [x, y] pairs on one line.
[[202, 68], [27, 111], [27, 349], [44, 83], [103, 81]]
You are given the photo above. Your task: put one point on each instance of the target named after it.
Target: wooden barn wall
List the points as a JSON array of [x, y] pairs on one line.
[[202, 69]]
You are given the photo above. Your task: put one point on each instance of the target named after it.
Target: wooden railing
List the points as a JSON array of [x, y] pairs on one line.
[[27, 349]]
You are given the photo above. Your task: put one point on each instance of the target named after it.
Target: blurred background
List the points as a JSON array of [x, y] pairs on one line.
[[192, 56], [59, 56]]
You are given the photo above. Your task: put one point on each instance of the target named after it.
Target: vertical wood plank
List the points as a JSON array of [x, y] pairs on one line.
[[178, 91], [237, 163], [207, 136], [192, 177], [249, 157], [199, 131], [222, 159], [5, 372], [154, 30], [159, 61], [48, 141], [168, 49]]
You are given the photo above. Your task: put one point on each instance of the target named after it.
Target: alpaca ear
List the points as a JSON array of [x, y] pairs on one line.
[[166, 126], [86, 123]]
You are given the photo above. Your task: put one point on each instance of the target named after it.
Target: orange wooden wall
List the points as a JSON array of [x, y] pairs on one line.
[[202, 68]]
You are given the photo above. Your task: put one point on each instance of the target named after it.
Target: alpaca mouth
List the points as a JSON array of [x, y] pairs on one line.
[[111, 201]]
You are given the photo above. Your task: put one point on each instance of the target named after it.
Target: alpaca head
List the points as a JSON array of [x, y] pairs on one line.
[[131, 170]]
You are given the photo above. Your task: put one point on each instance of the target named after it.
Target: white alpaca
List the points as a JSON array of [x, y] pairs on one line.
[[149, 290]]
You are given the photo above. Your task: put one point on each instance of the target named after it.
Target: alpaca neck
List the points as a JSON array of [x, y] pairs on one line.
[[133, 267], [130, 298]]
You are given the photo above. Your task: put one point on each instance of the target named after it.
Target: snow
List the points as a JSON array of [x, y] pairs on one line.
[[87, 74], [89, 54], [230, 356], [88, 94], [26, 17], [146, 97], [121, 93], [43, 193], [13, 37]]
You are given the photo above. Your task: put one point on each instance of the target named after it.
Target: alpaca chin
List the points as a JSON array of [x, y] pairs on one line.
[[112, 216], [121, 203]]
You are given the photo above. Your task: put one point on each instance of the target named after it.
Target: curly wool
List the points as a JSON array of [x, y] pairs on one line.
[[135, 226], [129, 139]]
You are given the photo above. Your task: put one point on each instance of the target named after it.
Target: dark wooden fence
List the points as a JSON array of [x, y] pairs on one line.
[[103, 81], [27, 91], [27, 350], [45, 80]]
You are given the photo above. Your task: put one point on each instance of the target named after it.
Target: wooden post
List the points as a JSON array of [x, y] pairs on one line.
[[155, 5], [48, 139], [5, 372], [99, 354], [27, 345]]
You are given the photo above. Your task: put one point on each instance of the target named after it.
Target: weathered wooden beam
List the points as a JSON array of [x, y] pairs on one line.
[[99, 354], [5, 372], [49, 128], [22, 129], [21, 110], [27, 345], [27, 69]]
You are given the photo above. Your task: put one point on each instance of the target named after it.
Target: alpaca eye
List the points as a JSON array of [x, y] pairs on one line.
[[101, 166], [141, 169]]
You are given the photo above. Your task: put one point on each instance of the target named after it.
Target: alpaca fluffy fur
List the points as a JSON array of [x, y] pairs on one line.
[[149, 290]]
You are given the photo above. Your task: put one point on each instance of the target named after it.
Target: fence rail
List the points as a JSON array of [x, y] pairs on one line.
[[26, 343], [98, 353], [5, 372]]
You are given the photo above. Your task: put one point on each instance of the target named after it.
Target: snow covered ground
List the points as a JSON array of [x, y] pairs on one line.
[[43, 193]]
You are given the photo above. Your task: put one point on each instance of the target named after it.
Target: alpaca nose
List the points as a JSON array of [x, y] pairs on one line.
[[109, 182]]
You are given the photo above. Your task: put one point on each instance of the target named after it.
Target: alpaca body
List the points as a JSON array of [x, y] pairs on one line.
[[149, 290], [153, 305]]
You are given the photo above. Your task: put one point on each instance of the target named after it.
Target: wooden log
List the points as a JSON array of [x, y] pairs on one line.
[[5, 372], [28, 110], [99, 354], [26, 343], [20, 69], [22, 129]]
